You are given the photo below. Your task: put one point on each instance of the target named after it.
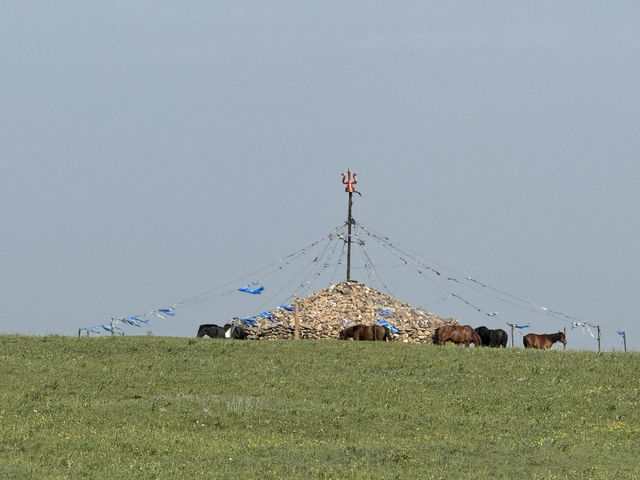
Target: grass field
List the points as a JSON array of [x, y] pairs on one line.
[[172, 408]]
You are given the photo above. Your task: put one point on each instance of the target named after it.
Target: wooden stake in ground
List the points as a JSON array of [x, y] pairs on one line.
[[511, 325], [296, 327]]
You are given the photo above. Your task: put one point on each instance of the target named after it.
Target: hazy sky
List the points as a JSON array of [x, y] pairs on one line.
[[151, 151]]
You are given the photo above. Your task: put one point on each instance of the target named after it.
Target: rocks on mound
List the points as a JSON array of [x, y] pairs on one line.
[[324, 313]]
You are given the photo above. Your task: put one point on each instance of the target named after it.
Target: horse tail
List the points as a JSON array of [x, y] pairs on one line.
[[435, 336], [477, 341], [504, 338]]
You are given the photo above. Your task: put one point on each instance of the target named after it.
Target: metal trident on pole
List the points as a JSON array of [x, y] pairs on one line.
[[349, 182]]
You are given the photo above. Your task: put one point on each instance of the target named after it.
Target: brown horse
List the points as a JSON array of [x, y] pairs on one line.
[[459, 334], [366, 332], [543, 340]]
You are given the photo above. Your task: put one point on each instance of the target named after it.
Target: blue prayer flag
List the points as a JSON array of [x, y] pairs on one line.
[[254, 291], [384, 323]]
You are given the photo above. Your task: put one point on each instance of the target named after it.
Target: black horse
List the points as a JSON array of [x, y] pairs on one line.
[[228, 331], [492, 338]]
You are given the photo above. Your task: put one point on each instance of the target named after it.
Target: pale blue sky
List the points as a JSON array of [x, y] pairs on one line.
[[151, 151]]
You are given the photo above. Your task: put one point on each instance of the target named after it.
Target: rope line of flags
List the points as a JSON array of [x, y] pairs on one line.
[[436, 271], [429, 270]]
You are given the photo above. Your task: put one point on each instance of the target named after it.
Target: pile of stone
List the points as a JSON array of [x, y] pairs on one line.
[[324, 313]]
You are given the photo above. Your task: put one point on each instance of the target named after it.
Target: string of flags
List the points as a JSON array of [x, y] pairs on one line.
[[488, 314], [116, 324], [319, 263], [585, 326], [140, 320], [414, 261], [253, 288], [115, 327]]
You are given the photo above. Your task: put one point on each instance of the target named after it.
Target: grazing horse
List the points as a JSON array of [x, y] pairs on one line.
[[235, 331], [211, 330], [457, 334], [215, 331], [366, 332], [492, 338], [543, 340]]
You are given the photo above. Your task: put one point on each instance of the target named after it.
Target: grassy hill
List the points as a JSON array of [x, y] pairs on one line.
[[170, 408]]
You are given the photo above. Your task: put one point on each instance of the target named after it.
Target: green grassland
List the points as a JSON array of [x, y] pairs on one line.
[[171, 408]]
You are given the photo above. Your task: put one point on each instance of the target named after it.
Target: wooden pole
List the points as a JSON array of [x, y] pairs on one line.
[[511, 325], [598, 338], [624, 339], [349, 181], [296, 328], [349, 222], [112, 327], [564, 346], [79, 331]]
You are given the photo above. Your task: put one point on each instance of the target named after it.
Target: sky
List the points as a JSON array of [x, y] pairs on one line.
[[154, 151]]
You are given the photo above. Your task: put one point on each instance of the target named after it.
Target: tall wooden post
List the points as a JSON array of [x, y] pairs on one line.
[[346, 180], [624, 339], [349, 221], [598, 338], [511, 325], [564, 346], [296, 328], [112, 333]]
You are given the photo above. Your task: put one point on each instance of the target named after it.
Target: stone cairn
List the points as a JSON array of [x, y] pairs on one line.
[[324, 313]]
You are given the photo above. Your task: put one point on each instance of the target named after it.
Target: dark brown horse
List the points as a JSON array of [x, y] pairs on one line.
[[366, 332], [458, 334], [543, 340]]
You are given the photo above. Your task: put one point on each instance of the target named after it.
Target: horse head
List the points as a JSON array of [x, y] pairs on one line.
[[562, 338]]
